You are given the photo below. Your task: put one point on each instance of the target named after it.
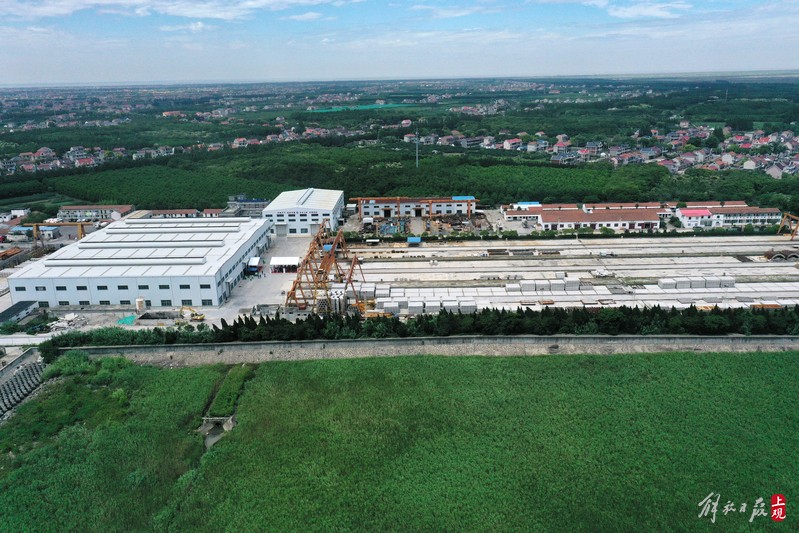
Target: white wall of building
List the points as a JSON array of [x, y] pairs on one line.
[[210, 289]]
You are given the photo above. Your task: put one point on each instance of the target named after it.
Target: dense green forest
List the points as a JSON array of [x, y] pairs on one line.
[[548, 321], [584, 443], [206, 180]]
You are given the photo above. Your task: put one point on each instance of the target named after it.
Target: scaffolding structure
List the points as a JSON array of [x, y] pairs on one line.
[[311, 289]]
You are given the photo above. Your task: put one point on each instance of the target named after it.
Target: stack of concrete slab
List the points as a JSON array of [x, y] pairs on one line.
[[513, 287], [397, 291], [682, 283], [560, 275], [415, 307], [697, 282], [391, 307], [667, 283], [380, 303], [382, 291], [338, 302], [366, 291], [557, 285], [527, 285], [712, 282], [572, 284], [451, 306], [402, 302], [468, 306], [727, 282], [542, 285]]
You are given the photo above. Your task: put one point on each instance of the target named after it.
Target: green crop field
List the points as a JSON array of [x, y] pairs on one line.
[[557, 443]]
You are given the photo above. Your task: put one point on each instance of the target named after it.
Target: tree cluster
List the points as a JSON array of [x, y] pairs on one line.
[[488, 322]]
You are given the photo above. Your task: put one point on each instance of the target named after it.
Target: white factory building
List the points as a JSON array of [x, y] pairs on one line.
[[166, 262], [301, 212]]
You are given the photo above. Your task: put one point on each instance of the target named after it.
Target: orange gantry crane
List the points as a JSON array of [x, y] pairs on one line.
[[791, 222], [319, 269]]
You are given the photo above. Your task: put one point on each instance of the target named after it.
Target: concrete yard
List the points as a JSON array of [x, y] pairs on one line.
[[612, 272]]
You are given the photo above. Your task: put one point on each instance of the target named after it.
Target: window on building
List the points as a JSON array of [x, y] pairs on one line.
[[186, 302], [293, 230], [207, 302], [82, 287], [41, 289], [105, 302], [60, 288], [84, 302], [124, 302], [164, 287], [303, 230], [102, 287], [166, 303], [205, 286], [144, 287], [63, 302], [186, 287], [44, 305], [20, 289], [148, 303], [122, 287]]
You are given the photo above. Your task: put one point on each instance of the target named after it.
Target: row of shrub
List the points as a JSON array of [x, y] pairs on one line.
[[548, 321]]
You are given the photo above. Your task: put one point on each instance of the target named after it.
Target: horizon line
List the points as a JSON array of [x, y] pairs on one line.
[[615, 76]]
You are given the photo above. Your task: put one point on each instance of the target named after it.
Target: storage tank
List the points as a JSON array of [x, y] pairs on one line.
[[140, 306]]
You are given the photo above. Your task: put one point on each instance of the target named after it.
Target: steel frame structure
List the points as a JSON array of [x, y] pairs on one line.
[[318, 269]]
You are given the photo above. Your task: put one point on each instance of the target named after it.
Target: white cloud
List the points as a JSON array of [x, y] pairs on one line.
[[440, 12], [212, 9], [647, 9], [310, 15], [193, 27]]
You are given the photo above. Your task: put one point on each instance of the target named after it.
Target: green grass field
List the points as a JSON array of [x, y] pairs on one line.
[[558, 443]]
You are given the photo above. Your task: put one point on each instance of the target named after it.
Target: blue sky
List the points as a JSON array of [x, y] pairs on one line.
[[96, 41]]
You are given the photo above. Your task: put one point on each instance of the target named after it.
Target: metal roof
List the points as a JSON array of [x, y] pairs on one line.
[[148, 248], [324, 199]]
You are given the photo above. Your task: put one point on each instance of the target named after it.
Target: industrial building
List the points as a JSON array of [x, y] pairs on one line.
[[302, 212], [163, 262], [727, 216], [391, 207], [634, 217], [83, 213], [640, 216]]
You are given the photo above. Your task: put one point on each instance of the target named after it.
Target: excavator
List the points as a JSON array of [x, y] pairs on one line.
[[193, 314]]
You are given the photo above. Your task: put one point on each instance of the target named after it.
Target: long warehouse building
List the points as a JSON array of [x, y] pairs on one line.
[[167, 262]]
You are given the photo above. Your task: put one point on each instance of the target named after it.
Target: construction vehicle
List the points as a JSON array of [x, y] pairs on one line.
[[193, 314]]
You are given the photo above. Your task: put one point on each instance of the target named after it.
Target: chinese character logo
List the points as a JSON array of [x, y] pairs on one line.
[[709, 506], [778, 507]]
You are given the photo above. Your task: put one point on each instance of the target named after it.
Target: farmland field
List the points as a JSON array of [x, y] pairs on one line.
[[627, 443]]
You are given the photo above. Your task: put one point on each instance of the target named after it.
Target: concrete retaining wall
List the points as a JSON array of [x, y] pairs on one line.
[[257, 352]]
